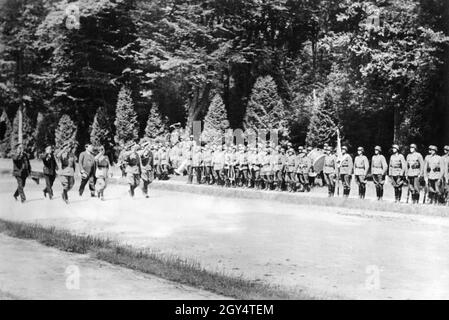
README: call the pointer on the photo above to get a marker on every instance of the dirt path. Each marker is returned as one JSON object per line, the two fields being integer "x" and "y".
{"x": 330, "y": 252}
{"x": 29, "y": 270}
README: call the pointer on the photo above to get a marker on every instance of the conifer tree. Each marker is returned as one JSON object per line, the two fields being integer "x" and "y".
{"x": 216, "y": 120}
{"x": 156, "y": 124}
{"x": 65, "y": 131}
{"x": 322, "y": 127}
{"x": 126, "y": 124}
{"x": 101, "y": 130}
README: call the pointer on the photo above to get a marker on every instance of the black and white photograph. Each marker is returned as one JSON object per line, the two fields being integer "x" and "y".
{"x": 241, "y": 151}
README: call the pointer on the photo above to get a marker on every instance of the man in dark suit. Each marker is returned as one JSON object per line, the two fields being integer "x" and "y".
{"x": 21, "y": 170}
{"x": 86, "y": 163}
{"x": 50, "y": 168}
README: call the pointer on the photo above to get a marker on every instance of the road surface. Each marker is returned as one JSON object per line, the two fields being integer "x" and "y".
{"x": 328, "y": 252}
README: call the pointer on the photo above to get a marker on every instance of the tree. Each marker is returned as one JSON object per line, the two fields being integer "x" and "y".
{"x": 66, "y": 131}
{"x": 101, "y": 131}
{"x": 6, "y": 132}
{"x": 27, "y": 133}
{"x": 216, "y": 120}
{"x": 126, "y": 125}
{"x": 322, "y": 127}
{"x": 156, "y": 124}
{"x": 265, "y": 108}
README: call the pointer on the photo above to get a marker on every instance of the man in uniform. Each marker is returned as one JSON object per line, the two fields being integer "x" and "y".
{"x": 290, "y": 168}
{"x": 197, "y": 161}
{"x": 396, "y": 171}
{"x": 330, "y": 170}
{"x": 379, "y": 169}
{"x": 86, "y": 163}
{"x": 164, "y": 162}
{"x": 207, "y": 164}
{"x": 49, "y": 170}
{"x": 265, "y": 170}
{"x": 218, "y": 165}
{"x": 346, "y": 168}
{"x": 67, "y": 161}
{"x": 244, "y": 168}
{"x": 433, "y": 175}
{"x": 312, "y": 173}
{"x": 303, "y": 170}
{"x": 446, "y": 173}
{"x": 361, "y": 168}
{"x": 415, "y": 170}
{"x": 21, "y": 170}
{"x": 147, "y": 168}
{"x": 133, "y": 169}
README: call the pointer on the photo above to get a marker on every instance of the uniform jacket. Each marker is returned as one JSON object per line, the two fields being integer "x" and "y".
{"x": 304, "y": 164}
{"x": 218, "y": 160}
{"x": 291, "y": 163}
{"x": 330, "y": 164}
{"x": 277, "y": 162}
{"x": 197, "y": 159}
{"x": 243, "y": 160}
{"x": 207, "y": 158}
{"x": 361, "y": 165}
{"x": 397, "y": 165}
{"x": 379, "y": 165}
{"x": 102, "y": 164}
{"x": 434, "y": 167}
{"x": 67, "y": 161}
{"x": 132, "y": 161}
{"x": 147, "y": 161}
{"x": 415, "y": 165}
{"x": 86, "y": 162}
{"x": 50, "y": 165}
{"x": 21, "y": 165}
{"x": 346, "y": 164}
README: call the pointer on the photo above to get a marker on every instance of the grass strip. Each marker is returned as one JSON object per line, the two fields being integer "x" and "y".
{"x": 163, "y": 266}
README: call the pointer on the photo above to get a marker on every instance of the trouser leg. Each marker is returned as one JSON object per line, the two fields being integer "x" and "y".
{"x": 20, "y": 188}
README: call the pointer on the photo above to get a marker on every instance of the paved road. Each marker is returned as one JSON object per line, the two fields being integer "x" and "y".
{"x": 329, "y": 252}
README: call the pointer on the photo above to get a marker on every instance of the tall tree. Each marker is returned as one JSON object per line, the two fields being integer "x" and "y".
{"x": 156, "y": 123}
{"x": 126, "y": 126}
{"x": 101, "y": 133}
{"x": 66, "y": 131}
{"x": 216, "y": 120}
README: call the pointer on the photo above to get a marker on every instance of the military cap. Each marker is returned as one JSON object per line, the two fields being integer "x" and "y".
{"x": 432, "y": 147}
{"x": 378, "y": 148}
{"x": 395, "y": 146}
{"x": 413, "y": 146}
{"x": 300, "y": 148}
{"x": 361, "y": 149}
{"x": 344, "y": 148}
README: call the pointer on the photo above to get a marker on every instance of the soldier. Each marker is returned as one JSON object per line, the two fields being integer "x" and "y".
{"x": 433, "y": 175}
{"x": 234, "y": 170}
{"x": 164, "y": 162}
{"x": 312, "y": 173}
{"x": 252, "y": 155}
{"x": 147, "y": 168}
{"x": 446, "y": 173}
{"x": 361, "y": 168}
{"x": 244, "y": 168}
{"x": 278, "y": 162}
{"x": 133, "y": 170}
{"x": 330, "y": 170}
{"x": 102, "y": 165}
{"x": 197, "y": 161}
{"x": 379, "y": 169}
{"x": 50, "y": 168}
{"x": 21, "y": 170}
{"x": 157, "y": 162}
{"x": 346, "y": 169}
{"x": 415, "y": 170}
{"x": 86, "y": 163}
{"x": 257, "y": 167}
{"x": 290, "y": 170}
{"x": 67, "y": 162}
{"x": 188, "y": 157}
{"x": 304, "y": 168}
{"x": 396, "y": 172}
{"x": 218, "y": 165}
{"x": 207, "y": 164}
{"x": 265, "y": 170}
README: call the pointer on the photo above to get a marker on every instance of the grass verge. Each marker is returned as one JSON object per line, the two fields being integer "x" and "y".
{"x": 167, "y": 267}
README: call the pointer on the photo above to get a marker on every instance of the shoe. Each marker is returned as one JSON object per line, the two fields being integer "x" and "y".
{"x": 92, "y": 195}
{"x": 80, "y": 193}
{"x": 45, "y": 193}
{"x": 147, "y": 196}
{"x": 22, "y": 200}
{"x": 15, "y": 197}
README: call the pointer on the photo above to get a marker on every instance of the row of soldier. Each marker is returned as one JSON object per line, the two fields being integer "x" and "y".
{"x": 269, "y": 168}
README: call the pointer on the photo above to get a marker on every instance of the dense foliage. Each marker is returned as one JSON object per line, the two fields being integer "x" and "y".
{"x": 380, "y": 68}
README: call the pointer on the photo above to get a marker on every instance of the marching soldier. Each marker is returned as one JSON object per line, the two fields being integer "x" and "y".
{"x": 379, "y": 169}
{"x": 67, "y": 162}
{"x": 346, "y": 168}
{"x": 446, "y": 173}
{"x": 396, "y": 172}
{"x": 21, "y": 170}
{"x": 433, "y": 174}
{"x": 415, "y": 170}
{"x": 101, "y": 174}
{"x": 291, "y": 170}
{"x": 133, "y": 170}
{"x": 330, "y": 170}
{"x": 361, "y": 168}
{"x": 147, "y": 168}
{"x": 49, "y": 170}
{"x": 87, "y": 169}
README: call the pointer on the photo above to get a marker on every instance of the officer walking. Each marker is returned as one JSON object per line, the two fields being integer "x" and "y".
{"x": 346, "y": 168}
{"x": 396, "y": 172}
{"x": 49, "y": 170}
{"x": 446, "y": 173}
{"x": 87, "y": 169}
{"x": 330, "y": 170}
{"x": 21, "y": 170}
{"x": 147, "y": 168}
{"x": 415, "y": 170}
{"x": 433, "y": 175}
{"x": 361, "y": 168}
{"x": 101, "y": 173}
{"x": 67, "y": 162}
{"x": 379, "y": 168}
{"x": 133, "y": 169}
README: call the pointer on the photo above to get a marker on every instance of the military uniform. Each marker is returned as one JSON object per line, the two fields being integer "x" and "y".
{"x": 361, "y": 168}
{"x": 396, "y": 172}
{"x": 86, "y": 163}
{"x": 197, "y": 161}
{"x": 277, "y": 163}
{"x": 164, "y": 163}
{"x": 433, "y": 172}
{"x": 207, "y": 166}
{"x": 49, "y": 170}
{"x": 330, "y": 172}
{"x": 415, "y": 170}
{"x": 257, "y": 164}
{"x": 133, "y": 171}
{"x": 218, "y": 166}
{"x": 291, "y": 170}
{"x": 265, "y": 171}
{"x": 446, "y": 174}
{"x": 244, "y": 169}
{"x": 21, "y": 170}
{"x": 67, "y": 173}
{"x": 303, "y": 170}
{"x": 346, "y": 168}
{"x": 379, "y": 168}
{"x": 101, "y": 174}
{"x": 157, "y": 164}
{"x": 147, "y": 168}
